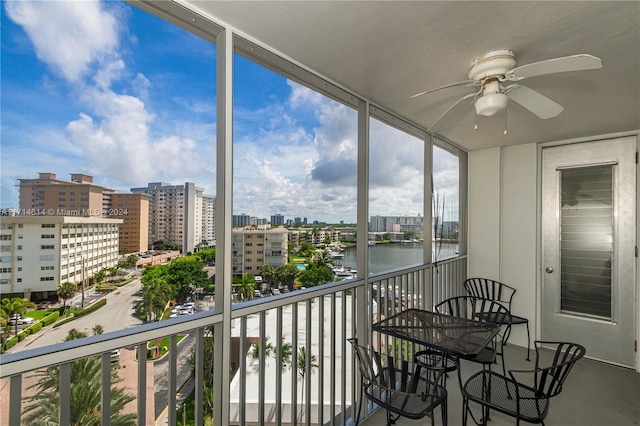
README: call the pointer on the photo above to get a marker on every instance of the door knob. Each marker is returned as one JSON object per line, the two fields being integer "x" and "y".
{"x": 549, "y": 270}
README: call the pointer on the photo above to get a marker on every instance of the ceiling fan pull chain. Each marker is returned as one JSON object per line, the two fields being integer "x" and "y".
{"x": 505, "y": 121}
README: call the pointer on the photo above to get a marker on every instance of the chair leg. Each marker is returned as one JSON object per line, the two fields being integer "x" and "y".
{"x": 359, "y": 406}
{"x": 445, "y": 411}
{"x": 528, "y": 342}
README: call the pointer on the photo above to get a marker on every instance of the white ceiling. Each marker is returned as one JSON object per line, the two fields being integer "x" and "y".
{"x": 385, "y": 51}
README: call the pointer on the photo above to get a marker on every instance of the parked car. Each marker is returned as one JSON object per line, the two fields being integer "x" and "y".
{"x": 115, "y": 355}
{"x": 21, "y": 320}
{"x": 43, "y": 305}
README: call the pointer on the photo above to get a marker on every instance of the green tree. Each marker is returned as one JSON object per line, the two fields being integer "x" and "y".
{"x": 17, "y": 306}
{"x": 75, "y": 334}
{"x": 156, "y": 293}
{"x": 100, "y": 276}
{"x": 286, "y": 275}
{"x": 132, "y": 259}
{"x": 186, "y": 273}
{"x": 315, "y": 275}
{"x": 268, "y": 275}
{"x": 206, "y": 255}
{"x": 322, "y": 258}
{"x": 85, "y": 396}
{"x": 66, "y": 291}
{"x": 246, "y": 286}
{"x": 207, "y": 380}
{"x": 302, "y": 367}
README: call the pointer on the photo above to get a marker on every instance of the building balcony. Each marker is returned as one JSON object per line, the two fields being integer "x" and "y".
{"x": 264, "y": 379}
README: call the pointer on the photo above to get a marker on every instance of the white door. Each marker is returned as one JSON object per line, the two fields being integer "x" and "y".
{"x": 588, "y": 231}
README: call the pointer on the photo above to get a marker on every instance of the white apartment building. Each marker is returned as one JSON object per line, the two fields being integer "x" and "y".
{"x": 413, "y": 224}
{"x": 255, "y": 247}
{"x": 40, "y": 252}
{"x": 209, "y": 220}
{"x": 177, "y": 214}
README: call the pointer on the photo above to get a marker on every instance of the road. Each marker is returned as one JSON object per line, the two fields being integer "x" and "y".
{"x": 116, "y": 315}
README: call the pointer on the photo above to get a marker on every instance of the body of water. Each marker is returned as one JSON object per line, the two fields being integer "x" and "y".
{"x": 383, "y": 257}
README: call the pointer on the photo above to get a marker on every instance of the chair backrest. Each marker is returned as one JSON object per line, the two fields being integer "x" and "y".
{"x": 484, "y": 288}
{"x": 549, "y": 380}
{"x": 384, "y": 371}
{"x": 475, "y": 308}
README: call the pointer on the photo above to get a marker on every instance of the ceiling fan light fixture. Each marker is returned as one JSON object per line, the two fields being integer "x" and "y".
{"x": 490, "y": 104}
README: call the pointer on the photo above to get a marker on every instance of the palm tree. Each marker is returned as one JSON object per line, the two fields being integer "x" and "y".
{"x": 246, "y": 287}
{"x": 302, "y": 368}
{"x": 155, "y": 295}
{"x": 85, "y": 397}
{"x": 322, "y": 258}
{"x": 16, "y": 307}
{"x": 268, "y": 274}
{"x": 66, "y": 290}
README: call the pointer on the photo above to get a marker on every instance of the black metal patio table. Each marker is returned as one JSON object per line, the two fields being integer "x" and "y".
{"x": 452, "y": 335}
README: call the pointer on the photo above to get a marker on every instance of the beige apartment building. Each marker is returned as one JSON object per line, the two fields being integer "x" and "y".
{"x": 49, "y": 196}
{"x": 256, "y": 247}
{"x": 40, "y": 252}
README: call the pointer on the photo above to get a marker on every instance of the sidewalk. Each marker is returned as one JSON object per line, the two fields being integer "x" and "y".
{"x": 182, "y": 394}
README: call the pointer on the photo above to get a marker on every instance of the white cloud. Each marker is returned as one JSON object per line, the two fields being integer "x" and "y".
{"x": 67, "y": 35}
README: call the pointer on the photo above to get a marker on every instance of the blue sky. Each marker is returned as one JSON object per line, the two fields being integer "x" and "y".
{"x": 105, "y": 89}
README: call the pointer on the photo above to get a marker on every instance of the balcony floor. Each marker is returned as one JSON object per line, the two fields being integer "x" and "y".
{"x": 594, "y": 394}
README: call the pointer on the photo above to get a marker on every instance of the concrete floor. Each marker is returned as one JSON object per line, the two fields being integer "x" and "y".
{"x": 595, "y": 394}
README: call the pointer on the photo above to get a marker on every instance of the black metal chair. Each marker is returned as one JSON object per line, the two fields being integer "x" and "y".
{"x": 492, "y": 311}
{"x": 484, "y": 288}
{"x": 514, "y": 395}
{"x": 402, "y": 388}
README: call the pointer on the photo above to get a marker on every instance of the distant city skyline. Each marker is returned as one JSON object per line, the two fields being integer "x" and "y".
{"x": 106, "y": 89}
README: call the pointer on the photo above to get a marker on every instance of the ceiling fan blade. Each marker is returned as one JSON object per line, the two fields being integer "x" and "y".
{"x": 534, "y": 101}
{"x": 550, "y": 66}
{"x": 448, "y": 114}
{"x": 466, "y": 83}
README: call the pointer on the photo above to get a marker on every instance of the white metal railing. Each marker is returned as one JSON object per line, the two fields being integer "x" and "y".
{"x": 271, "y": 383}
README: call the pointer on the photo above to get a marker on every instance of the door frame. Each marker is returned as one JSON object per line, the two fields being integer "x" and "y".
{"x": 539, "y": 238}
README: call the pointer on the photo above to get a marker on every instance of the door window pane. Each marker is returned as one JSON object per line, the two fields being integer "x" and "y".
{"x": 586, "y": 240}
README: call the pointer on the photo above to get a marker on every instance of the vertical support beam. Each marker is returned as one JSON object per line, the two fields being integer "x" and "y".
{"x": 199, "y": 379}
{"x": 263, "y": 366}
{"x": 105, "y": 394}
{"x": 242, "y": 403}
{"x": 427, "y": 255}
{"x": 224, "y": 208}
{"x": 65, "y": 394}
{"x": 428, "y": 198}
{"x": 173, "y": 379}
{"x": 307, "y": 366}
{"x": 294, "y": 363}
{"x": 142, "y": 384}
{"x": 321, "y": 343}
{"x": 279, "y": 357}
{"x": 15, "y": 400}
{"x": 360, "y": 317}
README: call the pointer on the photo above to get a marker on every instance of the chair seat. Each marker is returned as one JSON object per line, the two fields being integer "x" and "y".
{"x": 483, "y": 316}
{"x": 435, "y": 359}
{"x": 499, "y": 393}
{"x": 415, "y": 404}
{"x": 486, "y": 356}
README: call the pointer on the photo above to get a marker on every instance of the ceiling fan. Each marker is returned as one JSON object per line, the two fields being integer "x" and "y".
{"x": 491, "y": 70}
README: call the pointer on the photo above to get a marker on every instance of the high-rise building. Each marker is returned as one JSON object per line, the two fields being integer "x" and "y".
{"x": 49, "y": 196}
{"x": 40, "y": 252}
{"x": 177, "y": 214}
{"x": 209, "y": 220}
{"x": 134, "y": 211}
{"x": 277, "y": 220}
